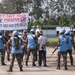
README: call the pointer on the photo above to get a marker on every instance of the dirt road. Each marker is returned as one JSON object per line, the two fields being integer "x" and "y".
{"x": 30, "y": 70}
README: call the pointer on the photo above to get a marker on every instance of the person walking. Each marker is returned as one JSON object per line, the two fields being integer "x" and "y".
{"x": 16, "y": 50}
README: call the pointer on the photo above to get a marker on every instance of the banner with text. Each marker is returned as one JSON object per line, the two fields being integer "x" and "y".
{"x": 13, "y": 21}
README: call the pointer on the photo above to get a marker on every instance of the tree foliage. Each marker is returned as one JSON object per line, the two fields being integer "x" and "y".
{"x": 64, "y": 21}
{"x": 50, "y": 11}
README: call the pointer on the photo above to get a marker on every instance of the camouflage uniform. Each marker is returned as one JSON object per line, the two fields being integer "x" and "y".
{"x": 31, "y": 46}
{"x": 16, "y": 50}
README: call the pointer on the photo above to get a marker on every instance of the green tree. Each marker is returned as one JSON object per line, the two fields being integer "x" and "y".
{"x": 64, "y": 21}
{"x": 37, "y": 23}
{"x": 15, "y": 6}
{"x": 72, "y": 23}
{"x": 30, "y": 24}
{"x": 7, "y": 7}
{"x": 37, "y": 13}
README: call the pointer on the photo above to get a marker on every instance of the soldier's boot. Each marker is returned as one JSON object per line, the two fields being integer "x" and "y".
{"x": 65, "y": 67}
{"x": 8, "y": 59}
{"x": 10, "y": 70}
{"x": 3, "y": 64}
{"x": 2, "y": 61}
{"x": 71, "y": 62}
{"x": 58, "y": 66}
{"x": 26, "y": 63}
{"x": 33, "y": 64}
{"x": 45, "y": 65}
{"x": 21, "y": 69}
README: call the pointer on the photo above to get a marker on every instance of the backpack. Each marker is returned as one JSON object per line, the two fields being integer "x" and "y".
{"x": 15, "y": 42}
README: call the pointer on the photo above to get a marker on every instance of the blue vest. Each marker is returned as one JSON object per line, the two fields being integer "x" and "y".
{"x": 69, "y": 44}
{"x": 62, "y": 46}
{"x": 1, "y": 43}
{"x": 31, "y": 41}
{"x": 12, "y": 46}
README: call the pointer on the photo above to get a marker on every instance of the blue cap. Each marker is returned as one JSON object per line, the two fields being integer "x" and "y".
{"x": 67, "y": 32}
{"x": 32, "y": 30}
{"x": 15, "y": 33}
{"x": 62, "y": 31}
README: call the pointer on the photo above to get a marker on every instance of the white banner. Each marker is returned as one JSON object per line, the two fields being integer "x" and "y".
{"x": 13, "y": 21}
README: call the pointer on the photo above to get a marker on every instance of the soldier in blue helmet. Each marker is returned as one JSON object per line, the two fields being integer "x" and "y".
{"x": 69, "y": 45}
{"x": 61, "y": 47}
{"x": 62, "y": 31}
{"x": 2, "y": 41}
{"x": 16, "y": 50}
{"x": 31, "y": 46}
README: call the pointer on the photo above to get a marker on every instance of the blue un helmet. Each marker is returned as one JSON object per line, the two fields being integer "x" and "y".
{"x": 32, "y": 30}
{"x": 67, "y": 32}
{"x": 15, "y": 33}
{"x": 62, "y": 31}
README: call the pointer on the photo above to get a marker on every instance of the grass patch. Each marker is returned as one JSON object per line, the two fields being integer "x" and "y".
{"x": 52, "y": 42}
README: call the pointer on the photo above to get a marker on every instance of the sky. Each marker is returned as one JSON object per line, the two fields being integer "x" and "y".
{"x": 0, "y": 0}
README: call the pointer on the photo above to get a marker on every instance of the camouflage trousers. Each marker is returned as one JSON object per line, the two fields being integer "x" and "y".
{"x": 70, "y": 55}
{"x": 33, "y": 51}
{"x": 2, "y": 56}
{"x": 64, "y": 55}
{"x": 19, "y": 60}
{"x": 24, "y": 52}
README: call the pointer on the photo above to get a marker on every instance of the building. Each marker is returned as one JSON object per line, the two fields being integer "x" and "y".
{"x": 49, "y": 30}
{"x": 52, "y": 31}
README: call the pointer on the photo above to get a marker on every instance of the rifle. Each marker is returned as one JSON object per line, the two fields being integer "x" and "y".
{"x": 53, "y": 52}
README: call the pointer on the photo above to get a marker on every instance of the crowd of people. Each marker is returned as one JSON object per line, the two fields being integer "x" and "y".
{"x": 64, "y": 46}
{"x": 21, "y": 46}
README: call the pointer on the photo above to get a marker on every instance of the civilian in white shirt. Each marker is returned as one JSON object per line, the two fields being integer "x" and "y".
{"x": 42, "y": 41}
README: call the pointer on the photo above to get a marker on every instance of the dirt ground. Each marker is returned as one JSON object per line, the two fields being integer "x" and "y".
{"x": 30, "y": 70}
